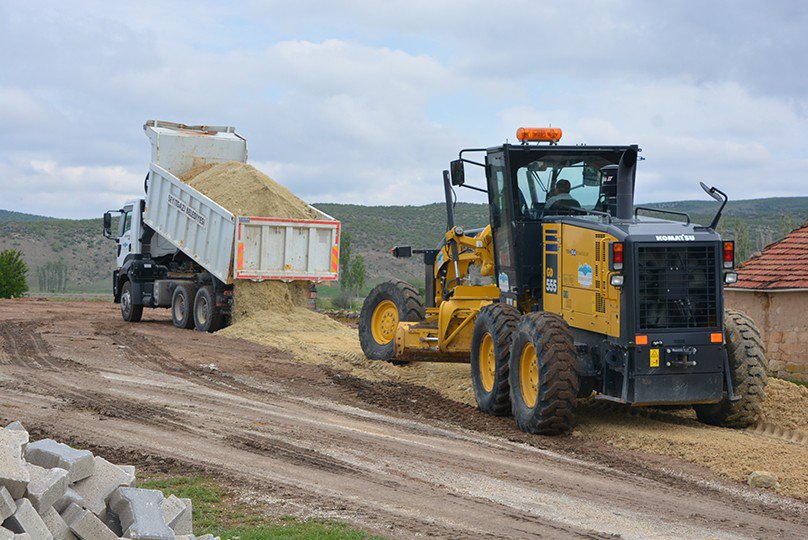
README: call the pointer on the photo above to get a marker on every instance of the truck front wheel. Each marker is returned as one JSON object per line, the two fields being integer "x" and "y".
{"x": 207, "y": 317}
{"x": 182, "y": 306}
{"x": 129, "y": 311}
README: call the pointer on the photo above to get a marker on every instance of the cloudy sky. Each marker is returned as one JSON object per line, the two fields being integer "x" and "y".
{"x": 367, "y": 102}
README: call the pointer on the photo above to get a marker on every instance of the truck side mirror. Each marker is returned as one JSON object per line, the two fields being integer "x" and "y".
{"x": 107, "y": 224}
{"x": 458, "y": 172}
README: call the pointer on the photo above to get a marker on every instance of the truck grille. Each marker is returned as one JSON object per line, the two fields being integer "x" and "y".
{"x": 677, "y": 287}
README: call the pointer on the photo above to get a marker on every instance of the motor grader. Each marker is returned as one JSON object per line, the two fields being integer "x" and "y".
{"x": 571, "y": 290}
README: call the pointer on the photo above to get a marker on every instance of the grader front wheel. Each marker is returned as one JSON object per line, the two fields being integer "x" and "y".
{"x": 490, "y": 347}
{"x": 387, "y": 304}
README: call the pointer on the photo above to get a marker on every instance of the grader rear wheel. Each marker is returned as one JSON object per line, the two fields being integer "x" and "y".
{"x": 543, "y": 375}
{"x": 387, "y": 304}
{"x": 490, "y": 348}
{"x": 747, "y": 366}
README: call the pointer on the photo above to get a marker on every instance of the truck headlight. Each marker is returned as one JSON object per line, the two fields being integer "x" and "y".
{"x": 616, "y": 280}
{"x": 730, "y": 277}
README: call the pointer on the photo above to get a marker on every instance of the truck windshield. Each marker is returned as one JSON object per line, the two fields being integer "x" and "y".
{"x": 553, "y": 184}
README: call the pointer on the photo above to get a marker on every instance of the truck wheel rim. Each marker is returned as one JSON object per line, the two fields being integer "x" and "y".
{"x": 385, "y": 322}
{"x": 201, "y": 310}
{"x": 179, "y": 307}
{"x": 529, "y": 375}
{"x": 125, "y": 302}
{"x": 488, "y": 362}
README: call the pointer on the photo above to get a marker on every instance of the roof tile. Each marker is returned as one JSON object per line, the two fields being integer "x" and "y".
{"x": 781, "y": 265}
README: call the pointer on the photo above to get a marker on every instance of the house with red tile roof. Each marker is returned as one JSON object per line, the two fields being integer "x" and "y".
{"x": 772, "y": 288}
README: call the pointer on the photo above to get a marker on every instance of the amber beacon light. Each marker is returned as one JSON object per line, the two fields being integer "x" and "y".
{"x": 538, "y": 134}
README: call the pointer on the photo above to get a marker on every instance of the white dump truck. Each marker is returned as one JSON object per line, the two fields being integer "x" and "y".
{"x": 178, "y": 249}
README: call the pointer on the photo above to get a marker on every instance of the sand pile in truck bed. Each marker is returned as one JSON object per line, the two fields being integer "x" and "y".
{"x": 246, "y": 191}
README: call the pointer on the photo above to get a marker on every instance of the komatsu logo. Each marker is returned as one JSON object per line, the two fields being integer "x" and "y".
{"x": 675, "y": 237}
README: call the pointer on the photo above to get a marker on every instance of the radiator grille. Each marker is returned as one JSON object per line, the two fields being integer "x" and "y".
{"x": 677, "y": 287}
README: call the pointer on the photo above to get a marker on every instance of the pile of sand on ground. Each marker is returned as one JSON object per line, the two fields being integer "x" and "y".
{"x": 246, "y": 191}
{"x": 273, "y": 313}
{"x": 786, "y": 405}
{"x": 731, "y": 452}
{"x": 314, "y": 338}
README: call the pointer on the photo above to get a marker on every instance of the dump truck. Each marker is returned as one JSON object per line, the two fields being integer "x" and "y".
{"x": 570, "y": 289}
{"x": 178, "y": 249}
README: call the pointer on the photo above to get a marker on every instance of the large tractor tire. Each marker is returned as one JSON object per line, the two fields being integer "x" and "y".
{"x": 207, "y": 317}
{"x": 747, "y": 366}
{"x": 182, "y": 305}
{"x": 387, "y": 304}
{"x": 490, "y": 351}
{"x": 129, "y": 311}
{"x": 543, "y": 375}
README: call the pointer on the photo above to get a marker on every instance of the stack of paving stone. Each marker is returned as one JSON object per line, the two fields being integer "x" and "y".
{"x": 50, "y": 491}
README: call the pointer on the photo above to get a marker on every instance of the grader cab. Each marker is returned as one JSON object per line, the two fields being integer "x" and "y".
{"x": 569, "y": 290}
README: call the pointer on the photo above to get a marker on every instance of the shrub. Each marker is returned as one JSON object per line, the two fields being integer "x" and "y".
{"x": 13, "y": 273}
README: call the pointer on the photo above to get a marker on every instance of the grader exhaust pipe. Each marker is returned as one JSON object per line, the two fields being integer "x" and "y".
{"x": 626, "y": 172}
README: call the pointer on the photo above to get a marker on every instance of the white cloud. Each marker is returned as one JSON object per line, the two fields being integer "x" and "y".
{"x": 50, "y": 188}
{"x": 367, "y": 103}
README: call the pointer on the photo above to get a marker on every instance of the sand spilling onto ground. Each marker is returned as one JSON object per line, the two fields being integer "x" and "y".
{"x": 245, "y": 191}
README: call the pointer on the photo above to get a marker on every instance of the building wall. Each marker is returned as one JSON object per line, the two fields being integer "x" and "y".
{"x": 783, "y": 321}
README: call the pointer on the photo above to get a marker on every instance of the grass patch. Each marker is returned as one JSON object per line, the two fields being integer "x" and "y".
{"x": 216, "y": 511}
{"x": 801, "y": 383}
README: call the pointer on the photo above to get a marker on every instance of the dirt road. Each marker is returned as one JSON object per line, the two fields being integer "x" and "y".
{"x": 396, "y": 459}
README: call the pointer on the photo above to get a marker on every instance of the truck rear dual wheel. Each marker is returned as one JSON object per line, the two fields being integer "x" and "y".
{"x": 543, "y": 374}
{"x": 129, "y": 311}
{"x": 387, "y": 304}
{"x": 182, "y": 304}
{"x": 747, "y": 366}
{"x": 490, "y": 353}
{"x": 207, "y": 317}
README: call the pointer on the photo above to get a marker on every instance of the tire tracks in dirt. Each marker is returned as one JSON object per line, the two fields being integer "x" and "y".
{"x": 25, "y": 347}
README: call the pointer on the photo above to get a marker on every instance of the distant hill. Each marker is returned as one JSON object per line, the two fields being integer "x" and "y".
{"x": 8, "y": 215}
{"x": 374, "y": 230}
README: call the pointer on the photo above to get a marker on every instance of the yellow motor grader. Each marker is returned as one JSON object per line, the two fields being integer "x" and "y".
{"x": 569, "y": 290}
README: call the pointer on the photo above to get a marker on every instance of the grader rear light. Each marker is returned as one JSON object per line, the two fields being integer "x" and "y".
{"x": 729, "y": 254}
{"x": 539, "y": 134}
{"x": 717, "y": 337}
{"x": 616, "y": 250}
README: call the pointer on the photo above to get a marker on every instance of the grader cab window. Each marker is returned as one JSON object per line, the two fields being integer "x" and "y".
{"x": 554, "y": 184}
